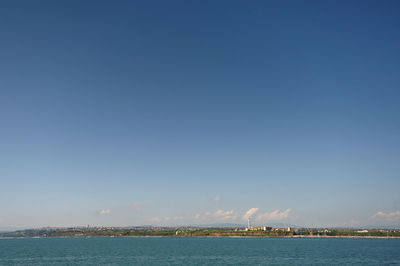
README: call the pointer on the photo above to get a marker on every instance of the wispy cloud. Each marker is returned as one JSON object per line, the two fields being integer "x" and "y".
{"x": 137, "y": 206}
{"x": 387, "y": 217}
{"x": 225, "y": 215}
{"x": 250, "y": 213}
{"x": 219, "y": 215}
{"x": 217, "y": 198}
{"x": 204, "y": 216}
{"x": 158, "y": 220}
{"x": 174, "y": 218}
{"x": 155, "y": 220}
{"x": 273, "y": 216}
{"x": 105, "y": 212}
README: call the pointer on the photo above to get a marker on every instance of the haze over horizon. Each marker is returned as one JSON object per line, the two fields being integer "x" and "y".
{"x": 199, "y": 112}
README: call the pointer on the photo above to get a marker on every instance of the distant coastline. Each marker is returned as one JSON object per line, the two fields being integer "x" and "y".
{"x": 159, "y": 236}
{"x": 176, "y": 232}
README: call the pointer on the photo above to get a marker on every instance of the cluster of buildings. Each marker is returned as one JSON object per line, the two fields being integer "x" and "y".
{"x": 265, "y": 228}
{"x": 268, "y": 228}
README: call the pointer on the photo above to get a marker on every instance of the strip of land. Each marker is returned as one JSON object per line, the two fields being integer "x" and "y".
{"x": 149, "y": 231}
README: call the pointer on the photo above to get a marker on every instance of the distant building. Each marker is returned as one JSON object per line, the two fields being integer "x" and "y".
{"x": 261, "y": 228}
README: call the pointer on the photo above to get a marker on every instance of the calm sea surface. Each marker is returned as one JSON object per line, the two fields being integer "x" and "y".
{"x": 198, "y": 251}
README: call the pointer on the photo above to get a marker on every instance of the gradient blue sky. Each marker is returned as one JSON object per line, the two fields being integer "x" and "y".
{"x": 191, "y": 112}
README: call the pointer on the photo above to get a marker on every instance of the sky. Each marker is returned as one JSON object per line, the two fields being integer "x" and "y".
{"x": 121, "y": 113}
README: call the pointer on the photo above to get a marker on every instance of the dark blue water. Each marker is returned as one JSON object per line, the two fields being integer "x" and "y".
{"x": 198, "y": 251}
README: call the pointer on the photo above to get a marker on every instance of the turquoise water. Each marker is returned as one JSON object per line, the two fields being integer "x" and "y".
{"x": 198, "y": 251}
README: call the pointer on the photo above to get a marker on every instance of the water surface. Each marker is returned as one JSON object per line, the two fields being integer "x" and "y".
{"x": 198, "y": 251}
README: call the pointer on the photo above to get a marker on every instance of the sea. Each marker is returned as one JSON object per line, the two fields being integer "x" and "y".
{"x": 198, "y": 251}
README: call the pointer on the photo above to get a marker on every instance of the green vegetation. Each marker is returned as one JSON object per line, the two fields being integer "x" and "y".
{"x": 195, "y": 232}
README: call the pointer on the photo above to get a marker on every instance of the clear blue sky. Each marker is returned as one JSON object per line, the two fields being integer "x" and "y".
{"x": 191, "y": 112}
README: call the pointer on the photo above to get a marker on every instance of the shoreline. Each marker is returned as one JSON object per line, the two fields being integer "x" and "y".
{"x": 297, "y": 236}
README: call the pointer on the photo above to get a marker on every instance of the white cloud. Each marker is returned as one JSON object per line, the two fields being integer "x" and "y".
{"x": 216, "y": 198}
{"x": 249, "y": 213}
{"x": 137, "y": 206}
{"x": 387, "y": 217}
{"x": 225, "y": 215}
{"x": 273, "y": 216}
{"x": 219, "y": 215}
{"x": 204, "y": 216}
{"x": 176, "y": 218}
{"x": 167, "y": 219}
{"x": 155, "y": 220}
{"x": 105, "y": 212}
